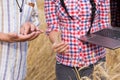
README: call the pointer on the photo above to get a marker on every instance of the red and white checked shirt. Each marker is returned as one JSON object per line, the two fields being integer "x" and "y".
{"x": 80, "y": 53}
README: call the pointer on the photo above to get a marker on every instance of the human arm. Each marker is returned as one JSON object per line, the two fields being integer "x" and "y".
{"x": 58, "y": 45}
{"x": 13, "y": 37}
{"x": 28, "y": 32}
{"x": 53, "y": 28}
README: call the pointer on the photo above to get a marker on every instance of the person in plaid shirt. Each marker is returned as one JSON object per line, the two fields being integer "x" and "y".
{"x": 67, "y": 21}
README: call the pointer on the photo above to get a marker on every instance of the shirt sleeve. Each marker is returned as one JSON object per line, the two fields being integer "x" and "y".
{"x": 51, "y": 16}
{"x": 106, "y": 13}
{"x": 108, "y": 9}
{"x": 34, "y": 16}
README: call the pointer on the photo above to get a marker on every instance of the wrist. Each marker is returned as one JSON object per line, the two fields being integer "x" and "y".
{"x": 55, "y": 37}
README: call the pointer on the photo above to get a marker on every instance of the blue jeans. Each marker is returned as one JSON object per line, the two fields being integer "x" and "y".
{"x": 69, "y": 73}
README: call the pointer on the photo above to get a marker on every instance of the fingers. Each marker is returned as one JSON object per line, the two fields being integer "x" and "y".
{"x": 37, "y": 29}
{"x": 25, "y": 29}
{"x": 33, "y": 28}
{"x": 40, "y": 31}
{"x": 31, "y": 36}
{"x": 60, "y": 48}
{"x": 35, "y": 36}
{"x": 28, "y": 28}
{"x": 57, "y": 45}
{"x": 29, "y": 32}
{"x": 27, "y": 37}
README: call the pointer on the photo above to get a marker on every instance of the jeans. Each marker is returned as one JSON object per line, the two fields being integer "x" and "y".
{"x": 70, "y": 73}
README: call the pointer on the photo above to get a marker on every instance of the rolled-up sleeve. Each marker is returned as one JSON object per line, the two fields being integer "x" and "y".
{"x": 34, "y": 16}
{"x": 51, "y": 16}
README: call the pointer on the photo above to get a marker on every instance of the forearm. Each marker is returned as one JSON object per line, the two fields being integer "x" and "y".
{"x": 4, "y": 37}
{"x": 7, "y": 37}
{"x": 55, "y": 36}
{"x": 1, "y": 36}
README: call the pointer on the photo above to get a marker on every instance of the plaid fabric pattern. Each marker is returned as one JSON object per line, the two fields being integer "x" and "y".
{"x": 80, "y": 53}
{"x": 115, "y": 12}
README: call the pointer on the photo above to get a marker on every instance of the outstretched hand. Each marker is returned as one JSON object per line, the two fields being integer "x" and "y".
{"x": 27, "y": 32}
{"x": 13, "y": 37}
